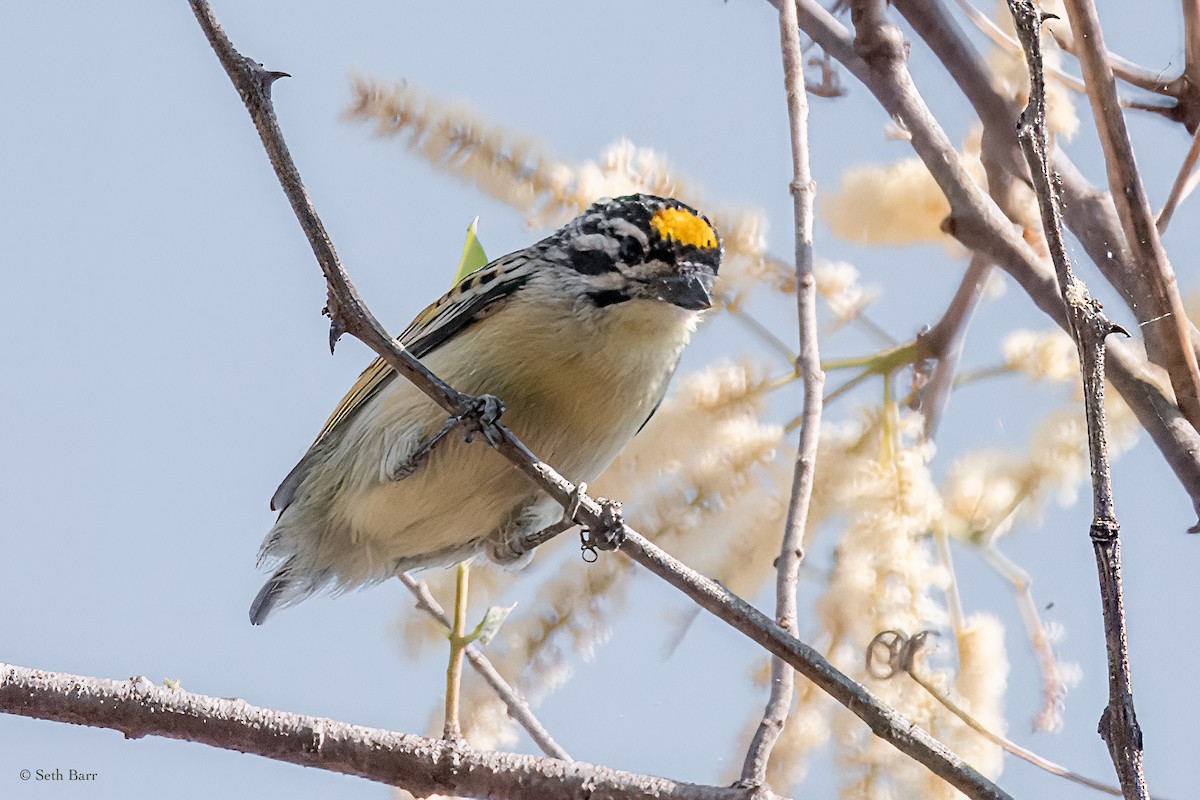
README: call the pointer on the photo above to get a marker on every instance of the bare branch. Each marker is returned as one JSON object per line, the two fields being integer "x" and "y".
{"x": 1187, "y": 86}
{"x": 1001, "y": 39}
{"x": 944, "y": 342}
{"x": 791, "y": 552}
{"x": 518, "y": 709}
{"x": 901, "y": 651}
{"x": 1126, "y": 70}
{"x": 1054, "y": 684}
{"x": 1133, "y": 208}
{"x": 884, "y": 721}
{"x": 138, "y": 708}
{"x": 1090, "y": 327}
{"x": 974, "y": 219}
{"x": 1191, "y": 37}
{"x": 1184, "y": 184}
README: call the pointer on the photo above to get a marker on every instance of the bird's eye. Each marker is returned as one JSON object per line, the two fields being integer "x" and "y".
{"x": 631, "y": 250}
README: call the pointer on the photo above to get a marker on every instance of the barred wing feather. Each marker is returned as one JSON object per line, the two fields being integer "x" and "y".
{"x": 478, "y": 295}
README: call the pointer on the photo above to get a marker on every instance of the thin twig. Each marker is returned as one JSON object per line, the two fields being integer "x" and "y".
{"x": 1089, "y": 211}
{"x": 1184, "y": 184}
{"x": 1054, "y": 685}
{"x": 351, "y": 316}
{"x": 791, "y": 551}
{"x": 423, "y": 766}
{"x": 1133, "y": 208}
{"x": 901, "y": 652}
{"x": 1090, "y": 328}
{"x": 1133, "y": 74}
{"x": 1002, "y": 40}
{"x": 944, "y": 342}
{"x": 517, "y": 707}
{"x": 1191, "y": 37}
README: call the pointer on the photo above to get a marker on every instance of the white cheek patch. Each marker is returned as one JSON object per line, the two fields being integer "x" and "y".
{"x": 607, "y": 280}
{"x": 647, "y": 270}
{"x": 596, "y": 241}
{"x": 623, "y": 227}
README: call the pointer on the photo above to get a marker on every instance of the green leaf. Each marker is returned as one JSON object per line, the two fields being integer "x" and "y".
{"x": 486, "y": 630}
{"x": 473, "y": 256}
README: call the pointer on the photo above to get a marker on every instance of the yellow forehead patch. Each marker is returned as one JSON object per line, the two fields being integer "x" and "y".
{"x": 684, "y": 227}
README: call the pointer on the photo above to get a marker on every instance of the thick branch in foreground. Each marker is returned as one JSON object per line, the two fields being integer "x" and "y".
{"x": 791, "y": 550}
{"x": 423, "y": 766}
{"x": 1091, "y": 327}
{"x": 350, "y": 315}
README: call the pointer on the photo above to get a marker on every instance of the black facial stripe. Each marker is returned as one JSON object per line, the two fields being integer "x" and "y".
{"x": 631, "y": 251}
{"x": 592, "y": 262}
{"x": 608, "y": 297}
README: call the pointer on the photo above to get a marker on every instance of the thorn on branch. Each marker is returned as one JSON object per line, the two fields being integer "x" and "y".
{"x": 337, "y": 319}
{"x": 336, "y": 329}
{"x": 264, "y": 79}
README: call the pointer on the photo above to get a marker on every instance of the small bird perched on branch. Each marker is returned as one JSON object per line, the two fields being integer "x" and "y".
{"x": 577, "y": 335}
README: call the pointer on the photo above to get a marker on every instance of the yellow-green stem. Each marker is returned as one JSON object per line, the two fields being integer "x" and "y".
{"x": 887, "y": 360}
{"x": 458, "y": 644}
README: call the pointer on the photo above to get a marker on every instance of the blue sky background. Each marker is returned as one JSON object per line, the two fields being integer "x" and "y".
{"x": 166, "y": 365}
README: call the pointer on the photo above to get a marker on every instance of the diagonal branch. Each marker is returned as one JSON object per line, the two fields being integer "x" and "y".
{"x": 1089, "y": 211}
{"x": 423, "y": 766}
{"x": 978, "y": 224}
{"x": 791, "y": 551}
{"x": 517, "y": 708}
{"x": 893, "y": 652}
{"x": 1090, "y": 327}
{"x": 1185, "y": 182}
{"x": 884, "y": 721}
{"x": 1187, "y": 86}
{"x": 1133, "y": 208}
{"x": 944, "y": 343}
{"x": 253, "y": 84}
{"x": 1123, "y": 68}
{"x": 347, "y": 311}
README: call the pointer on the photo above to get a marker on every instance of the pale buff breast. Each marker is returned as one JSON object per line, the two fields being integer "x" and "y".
{"x": 576, "y": 404}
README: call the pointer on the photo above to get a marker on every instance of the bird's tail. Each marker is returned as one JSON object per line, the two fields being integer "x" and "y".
{"x": 283, "y": 589}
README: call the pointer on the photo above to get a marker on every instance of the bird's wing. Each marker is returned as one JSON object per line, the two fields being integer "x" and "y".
{"x": 480, "y": 294}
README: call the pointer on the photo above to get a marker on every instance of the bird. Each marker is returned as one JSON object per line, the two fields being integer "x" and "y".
{"x": 577, "y": 335}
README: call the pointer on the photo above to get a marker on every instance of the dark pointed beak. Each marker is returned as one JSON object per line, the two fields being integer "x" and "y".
{"x": 690, "y": 289}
